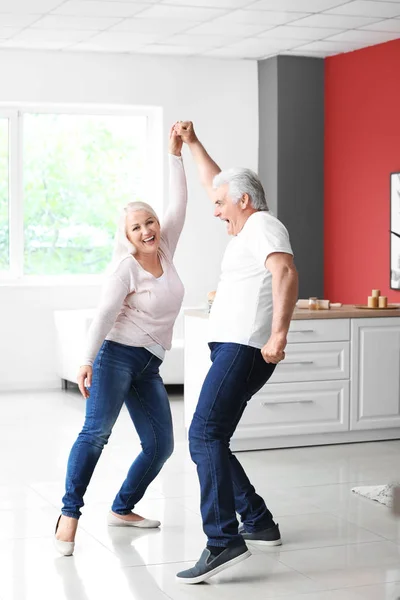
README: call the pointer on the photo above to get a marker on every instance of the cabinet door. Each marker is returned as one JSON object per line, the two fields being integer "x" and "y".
{"x": 375, "y": 373}
{"x": 319, "y": 330}
{"x": 314, "y": 362}
{"x": 295, "y": 409}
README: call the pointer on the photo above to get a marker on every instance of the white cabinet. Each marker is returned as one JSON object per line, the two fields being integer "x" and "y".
{"x": 324, "y": 330}
{"x": 340, "y": 382}
{"x": 314, "y": 362}
{"x": 295, "y": 409}
{"x": 375, "y": 373}
{"x": 308, "y": 392}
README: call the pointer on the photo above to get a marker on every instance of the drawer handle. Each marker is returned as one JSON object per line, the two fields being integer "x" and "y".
{"x": 299, "y": 362}
{"x": 303, "y": 331}
{"x": 287, "y": 402}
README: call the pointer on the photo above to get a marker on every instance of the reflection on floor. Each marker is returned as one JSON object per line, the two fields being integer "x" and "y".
{"x": 337, "y": 546}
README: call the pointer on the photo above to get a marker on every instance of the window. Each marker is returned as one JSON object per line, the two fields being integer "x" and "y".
{"x": 74, "y": 173}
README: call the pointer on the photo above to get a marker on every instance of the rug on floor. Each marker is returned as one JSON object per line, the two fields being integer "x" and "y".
{"x": 379, "y": 493}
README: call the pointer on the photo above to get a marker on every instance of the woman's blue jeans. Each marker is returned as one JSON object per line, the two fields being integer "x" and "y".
{"x": 236, "y": 374}
{"x": 121, "y": 374}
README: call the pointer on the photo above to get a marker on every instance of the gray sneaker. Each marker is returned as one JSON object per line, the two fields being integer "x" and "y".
{"x": 209, "y": 565}
{"x": 265, "y": 537}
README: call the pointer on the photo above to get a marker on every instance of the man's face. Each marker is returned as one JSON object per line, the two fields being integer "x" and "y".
{"x": 226, "y": 210}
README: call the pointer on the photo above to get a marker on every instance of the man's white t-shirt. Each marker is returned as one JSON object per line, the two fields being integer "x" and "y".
{"x": 242, "y": 309}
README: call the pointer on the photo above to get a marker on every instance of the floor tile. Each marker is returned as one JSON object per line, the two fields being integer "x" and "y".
{"x": 347, "y": 566}
{"x": 337, "y": 546}
{"x": 259, "y": 577}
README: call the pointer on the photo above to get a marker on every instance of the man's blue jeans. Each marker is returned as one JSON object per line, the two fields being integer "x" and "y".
{"x": 237, "y": 373}
{"x": 121, "y": 374}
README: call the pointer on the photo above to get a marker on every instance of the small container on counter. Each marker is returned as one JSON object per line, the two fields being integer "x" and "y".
{"x": 313, "y": 303}
{"x": 210, "y": 299}
{"x": 382, "y": 301}
{"x": 373, "y": 301}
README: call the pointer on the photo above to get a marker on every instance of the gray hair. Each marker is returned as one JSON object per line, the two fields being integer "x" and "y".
{"x": 243, "y": 181}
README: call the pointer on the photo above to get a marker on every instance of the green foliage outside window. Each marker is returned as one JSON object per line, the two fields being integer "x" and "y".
{"x": 78, "y": 171}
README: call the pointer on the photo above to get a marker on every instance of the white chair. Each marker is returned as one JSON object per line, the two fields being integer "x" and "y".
{"x": 71, "y": 328}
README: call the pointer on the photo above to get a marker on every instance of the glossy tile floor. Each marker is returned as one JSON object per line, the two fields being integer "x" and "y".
{"x": 337, "y": 546}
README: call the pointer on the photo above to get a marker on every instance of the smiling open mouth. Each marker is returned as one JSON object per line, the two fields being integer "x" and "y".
{"x": 149, "y": 240}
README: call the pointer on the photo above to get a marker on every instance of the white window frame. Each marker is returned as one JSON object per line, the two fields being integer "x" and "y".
{"x": 154, "y": 184}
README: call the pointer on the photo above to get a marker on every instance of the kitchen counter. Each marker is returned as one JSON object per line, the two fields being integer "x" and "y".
{"x": 347, "y": 311}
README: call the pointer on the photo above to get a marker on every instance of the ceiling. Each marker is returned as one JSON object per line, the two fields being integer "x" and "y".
{"x": 231, "y": 29}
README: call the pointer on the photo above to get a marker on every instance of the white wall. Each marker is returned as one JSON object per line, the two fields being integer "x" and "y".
{"x": 221, "y": 97}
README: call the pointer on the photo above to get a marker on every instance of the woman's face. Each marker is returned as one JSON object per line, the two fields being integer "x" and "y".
{"x": 143, "y": 231}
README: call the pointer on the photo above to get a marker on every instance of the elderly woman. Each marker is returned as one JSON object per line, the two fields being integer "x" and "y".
{"x": 126, "y": 344}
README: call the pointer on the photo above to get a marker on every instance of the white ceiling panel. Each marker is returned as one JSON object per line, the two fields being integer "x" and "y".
{"x": 97, "y": 8}
{"x": 204, "y": 41}
{"x": 28, "y": 6}
{"x": 311, "y": 6}
{"x": 219, "y": 27}
{"x": 335, "y": 21}
{"x": 123, "y": 40}
{"x": 256, "y": 47}
{"x": 8, "y": 32}
{"x": 365, "y": 37}
{"x": 228, "y": 52}
{"x": 153, "y": 26}
{"x": 23, "y": 20}
{"x": 148, "y": 2}
{"x": 262, "y": 17}
{"x": 309, "y": 53}
{"x": 299, "y": 33}
{"x": 169, "y": 50}
{"x": 71, "y": 23}
{"x": 367, "y": 8}
{"x": 386, "y": 25}
{"x": 245, "y": 29}
{"x": 38, "y": 45}
{"x": 329, "y": 46}
{"x": 187, "y": 13}
{"x": 48, "y": 35}
{"x": 227, "y": 4}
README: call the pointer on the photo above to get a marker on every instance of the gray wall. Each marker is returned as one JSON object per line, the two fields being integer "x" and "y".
{"x": 291, "y": 162}
{"x": 268, "y": 138}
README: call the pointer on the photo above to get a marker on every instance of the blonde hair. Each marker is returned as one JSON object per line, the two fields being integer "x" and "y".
{"x": 122, "y": 245}
{"x": 134, "y": 206}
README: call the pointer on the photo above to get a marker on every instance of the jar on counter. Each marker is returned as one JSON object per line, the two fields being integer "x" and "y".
{"x": 210, "y": 299}
{"x": 313, "y": 303}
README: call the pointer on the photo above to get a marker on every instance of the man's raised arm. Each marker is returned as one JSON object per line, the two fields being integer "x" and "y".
{"x": 206, "y": 166}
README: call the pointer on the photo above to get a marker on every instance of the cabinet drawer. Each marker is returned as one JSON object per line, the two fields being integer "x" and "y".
{"x": 314, "y": 362}
{"x": 313, "y": 330}
{"x": 294, "y": 409}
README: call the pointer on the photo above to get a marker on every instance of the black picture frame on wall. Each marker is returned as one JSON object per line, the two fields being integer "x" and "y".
{"x": 395, "y": 231}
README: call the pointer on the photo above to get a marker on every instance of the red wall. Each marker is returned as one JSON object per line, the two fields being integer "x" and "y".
{"x": 362, "y": 147}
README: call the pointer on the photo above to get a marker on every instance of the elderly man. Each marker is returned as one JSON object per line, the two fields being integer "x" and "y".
{"x": 248, "y": 327}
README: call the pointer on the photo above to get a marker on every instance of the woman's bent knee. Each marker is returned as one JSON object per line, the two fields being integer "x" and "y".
{"x": 160, "y": 450}
{"x": 98, "y": 440}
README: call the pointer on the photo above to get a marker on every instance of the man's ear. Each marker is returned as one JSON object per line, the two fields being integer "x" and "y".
{"x": 245, "y": 201}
